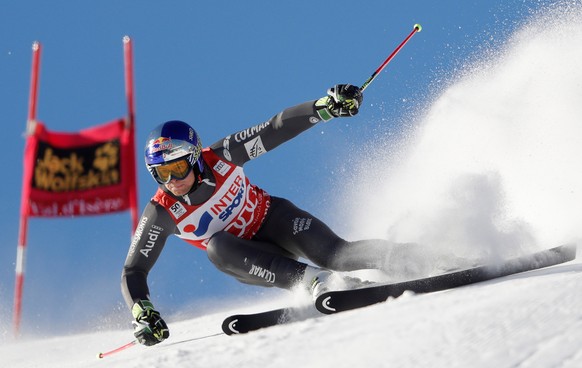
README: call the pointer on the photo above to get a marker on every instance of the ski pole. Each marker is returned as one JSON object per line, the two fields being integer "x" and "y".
{"x": 416, "y": 28}
{"x": 128, "y": 345}
{"x": 134, "y": 342}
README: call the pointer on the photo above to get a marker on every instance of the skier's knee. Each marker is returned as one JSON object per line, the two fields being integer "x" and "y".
{"x": 330, "y": 256}
{"x": 217, "y": 249}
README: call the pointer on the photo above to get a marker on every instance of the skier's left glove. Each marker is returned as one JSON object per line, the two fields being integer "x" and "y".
{"x": 149, "y": 327}
{"x": 341, "y": 100}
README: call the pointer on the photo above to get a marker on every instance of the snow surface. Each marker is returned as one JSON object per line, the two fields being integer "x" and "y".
{"x": 494, "y": 162}
{"x": 527, "y": 320}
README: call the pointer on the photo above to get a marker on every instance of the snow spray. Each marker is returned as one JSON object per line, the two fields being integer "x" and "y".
{"x": 494, "y": 164}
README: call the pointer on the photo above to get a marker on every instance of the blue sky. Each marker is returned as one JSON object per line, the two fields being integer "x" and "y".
{"x": 221, "y": 66}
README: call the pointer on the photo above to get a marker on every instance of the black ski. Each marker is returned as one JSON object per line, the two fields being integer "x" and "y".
{"x": 338, "y": 301}
{"x": 243, "y": 323}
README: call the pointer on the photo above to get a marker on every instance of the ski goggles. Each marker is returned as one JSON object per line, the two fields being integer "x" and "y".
{"x": 173, "y": 170}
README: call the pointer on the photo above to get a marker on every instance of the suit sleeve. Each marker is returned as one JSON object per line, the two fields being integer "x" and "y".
{"x": 154, "y": 227}
{"x": 252, "y": 142}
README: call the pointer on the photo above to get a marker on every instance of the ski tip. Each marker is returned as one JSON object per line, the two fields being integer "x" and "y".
{"x": 567, "y": 251}
{"x": 418, "y": 27}
{"x": 100, "y": 355}
{"x": 324, "y": 304}
{"x": 229, "y": 326}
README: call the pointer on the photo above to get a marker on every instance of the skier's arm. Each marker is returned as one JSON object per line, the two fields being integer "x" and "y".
{"x": 342, "y": 100}
{"x": 147, "y": 243}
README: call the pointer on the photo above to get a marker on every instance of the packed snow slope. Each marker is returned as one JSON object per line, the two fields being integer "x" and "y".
{"x": 489, "y": 169}
{"x": 528, "y": 320}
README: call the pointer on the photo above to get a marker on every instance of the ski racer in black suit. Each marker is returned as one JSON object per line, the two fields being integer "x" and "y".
{"x": 205, "y": 198}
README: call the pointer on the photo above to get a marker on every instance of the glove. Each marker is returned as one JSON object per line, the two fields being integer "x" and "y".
{"x": 149, "y": 327}
{"x": 342, "y": 100}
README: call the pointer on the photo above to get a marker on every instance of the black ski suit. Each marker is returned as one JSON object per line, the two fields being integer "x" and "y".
{"x": 266, "y": 256}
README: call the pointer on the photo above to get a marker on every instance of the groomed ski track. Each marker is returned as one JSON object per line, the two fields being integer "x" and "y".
{"x": 532, "y": 319}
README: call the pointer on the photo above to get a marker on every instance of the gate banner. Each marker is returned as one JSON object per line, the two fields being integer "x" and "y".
{"x": 89, "y": 172}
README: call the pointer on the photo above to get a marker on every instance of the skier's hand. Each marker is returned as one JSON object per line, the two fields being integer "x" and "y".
{"x": 342, "y": 100}
{"x": 149, "y": 327}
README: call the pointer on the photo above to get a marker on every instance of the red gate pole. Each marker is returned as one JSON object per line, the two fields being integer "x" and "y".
{"x": 128, "y": 62}
{"x": 24, "y": 211}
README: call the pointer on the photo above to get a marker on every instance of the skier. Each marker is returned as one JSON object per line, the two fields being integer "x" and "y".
{"x": 205, "y": 198}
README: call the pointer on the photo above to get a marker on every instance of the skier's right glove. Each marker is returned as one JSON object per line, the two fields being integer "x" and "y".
{"x": 149, "y": 327}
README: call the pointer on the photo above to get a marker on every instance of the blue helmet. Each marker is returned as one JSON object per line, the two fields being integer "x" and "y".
{"x": 173, "y": 141}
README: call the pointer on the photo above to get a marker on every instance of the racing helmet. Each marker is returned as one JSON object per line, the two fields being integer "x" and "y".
{"x": 172, "y": 150}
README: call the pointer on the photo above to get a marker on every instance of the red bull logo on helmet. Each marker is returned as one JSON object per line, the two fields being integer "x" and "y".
{"x": 160, "y": 144}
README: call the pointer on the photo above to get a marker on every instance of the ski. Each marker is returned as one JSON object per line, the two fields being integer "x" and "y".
{"x": 243, "y": 323}
{"x": 337, "y": 301}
